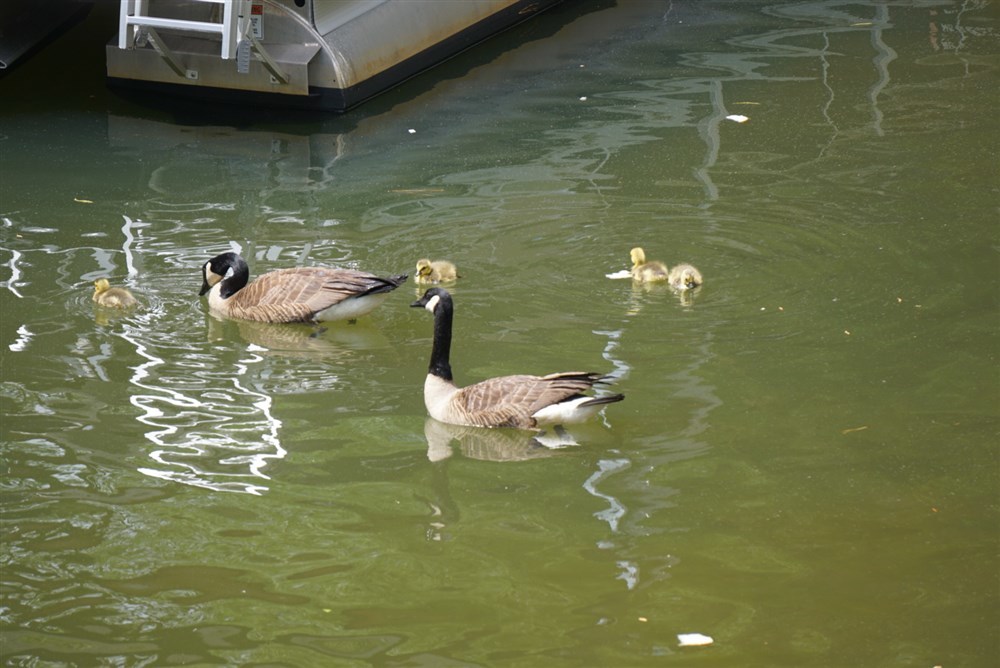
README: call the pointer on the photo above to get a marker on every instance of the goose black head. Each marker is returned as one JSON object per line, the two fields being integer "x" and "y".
{"x": 221, "y": 267}
{"x": 432, "y": 298}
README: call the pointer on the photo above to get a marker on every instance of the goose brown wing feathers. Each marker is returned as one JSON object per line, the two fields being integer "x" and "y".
{"x": 510, "y": 401}
{"x": 298, "y": 293}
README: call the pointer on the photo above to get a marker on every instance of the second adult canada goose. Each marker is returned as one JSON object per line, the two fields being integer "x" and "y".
{"x": 438, "y": 271}
{"x": 299, "y": 294}
{"x": 647, "y": 272}
{"x": 522, "y": 401}
{"x": 110, "y": 297}
{"x": 685, "y": 277}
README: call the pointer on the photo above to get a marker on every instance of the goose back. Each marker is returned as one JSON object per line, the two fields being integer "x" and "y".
{"x": 515, "y": 401}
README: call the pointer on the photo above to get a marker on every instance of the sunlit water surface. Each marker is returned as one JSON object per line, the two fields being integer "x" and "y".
{"x": 805, "y": 467}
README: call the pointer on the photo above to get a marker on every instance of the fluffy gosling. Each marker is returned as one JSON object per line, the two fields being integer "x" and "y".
{"x": 109, "y": 297}
{"x": 438, "y": 271}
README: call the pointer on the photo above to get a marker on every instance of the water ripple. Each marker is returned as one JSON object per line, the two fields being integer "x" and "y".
{"x": 210, "y": 428}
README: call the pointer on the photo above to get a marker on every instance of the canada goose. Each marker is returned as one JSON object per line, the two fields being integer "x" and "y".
{"x": 110, "y": 297}
{"x": 647, "y": 272}
{"x": 524, "y": 402}
{"x": 685, "y": 277}
{"x": 438, "y": 271}
{"x": 299, "y": 294}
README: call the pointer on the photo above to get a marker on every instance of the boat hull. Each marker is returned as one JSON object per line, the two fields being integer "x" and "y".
{"x": 332, "y": 62}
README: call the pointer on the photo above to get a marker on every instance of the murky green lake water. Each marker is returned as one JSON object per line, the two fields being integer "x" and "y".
{"x": 805, "y": 467}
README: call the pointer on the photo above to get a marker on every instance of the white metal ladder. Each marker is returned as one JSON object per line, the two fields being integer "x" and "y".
{"x": 136, "y": 28}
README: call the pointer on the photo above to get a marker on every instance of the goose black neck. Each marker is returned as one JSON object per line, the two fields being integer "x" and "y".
{"x": 440, "y": 354}
{"x": 237, "y": 280}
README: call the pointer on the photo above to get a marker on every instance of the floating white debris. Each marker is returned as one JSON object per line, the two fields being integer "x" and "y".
{"x": 739, "y": 118}
{"x": 583, "y": 98}
{"x": 624, "y": 273}
{"x": 694, "y": 639}
{"x": 412, "y": 131}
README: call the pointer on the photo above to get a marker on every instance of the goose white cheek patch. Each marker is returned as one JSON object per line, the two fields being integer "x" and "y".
{"x": 432, "y": 303}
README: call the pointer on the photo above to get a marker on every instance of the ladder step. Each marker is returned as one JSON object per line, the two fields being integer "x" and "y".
{"x": 176, "y": 24}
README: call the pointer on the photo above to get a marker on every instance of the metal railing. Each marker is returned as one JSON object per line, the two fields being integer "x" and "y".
{"x": 135, "y": 22}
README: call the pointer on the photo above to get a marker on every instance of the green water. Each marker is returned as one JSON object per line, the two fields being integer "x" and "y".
{"x": 805, "y": 467}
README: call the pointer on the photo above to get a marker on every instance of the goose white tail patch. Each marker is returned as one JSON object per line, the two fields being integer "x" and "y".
{"x": 352, "y": 308}
{"x": 567, "y": 412}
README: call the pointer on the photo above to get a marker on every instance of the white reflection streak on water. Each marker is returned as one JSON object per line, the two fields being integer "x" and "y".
{"x": 616, "y": 509}
{"x": 24, "y": 334}
{"x": 708, "y": 130}
{"x": 23, "y": 339}
{"x": 884, "y": 54}
{"x": 612, "y": 514}
{"x": 15, "y": 271}
{"x": 188, "y": 441}
{"x": 127, "y": 246}
{"x": 194, "y": 425}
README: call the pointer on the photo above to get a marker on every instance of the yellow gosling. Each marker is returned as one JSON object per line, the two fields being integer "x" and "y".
{"x": 684, "y": 277}
{"x": 110, "y": 297}
{"x": 438, "y": 271}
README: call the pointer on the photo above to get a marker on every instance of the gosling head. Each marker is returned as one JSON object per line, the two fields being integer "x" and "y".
{"x": 686, "y": 278}
{"x": 101, "y": 285}
{"x": 638, "y": 256}
{"x": 424, "y": 267}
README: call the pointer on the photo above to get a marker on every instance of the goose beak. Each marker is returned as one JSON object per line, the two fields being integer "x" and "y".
{"x": 418, "y": 304}
{"x": 205, "y": 287}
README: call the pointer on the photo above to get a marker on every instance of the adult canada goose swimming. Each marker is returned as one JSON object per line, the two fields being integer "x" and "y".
{"x": 438, "y": 271}
{"x": 685, "y": 277}
{"x": 524, "y": 402}
{"x": 299, "y": 294}
{"x": 647, "y": 272}
{"x": 110, "y": 297}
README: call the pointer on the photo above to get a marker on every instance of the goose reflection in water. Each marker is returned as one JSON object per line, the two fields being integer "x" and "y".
{"x": 492, "y": 445}
{"x": 302, "y": 339}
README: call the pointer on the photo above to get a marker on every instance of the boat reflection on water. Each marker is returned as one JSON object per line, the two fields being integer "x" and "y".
{"x": 493, "y": 445}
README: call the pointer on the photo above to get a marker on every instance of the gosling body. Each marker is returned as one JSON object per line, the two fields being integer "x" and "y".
{"x": 299, "y": 294}
{"x": 109, "y": 297}
{"x": 644, "y": 271}
{"x": 437, "y": 271}
{"x": 519, "y": 401}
